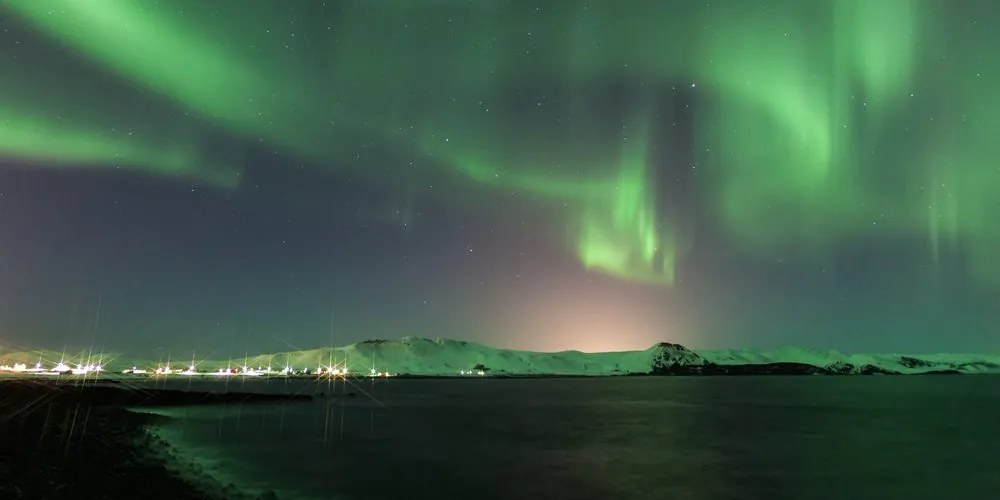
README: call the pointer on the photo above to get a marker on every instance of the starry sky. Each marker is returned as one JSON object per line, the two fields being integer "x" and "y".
{"x": 247, "y": 175}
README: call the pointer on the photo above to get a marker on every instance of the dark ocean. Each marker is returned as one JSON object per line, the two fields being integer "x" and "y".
{"x": 605, "y": 438}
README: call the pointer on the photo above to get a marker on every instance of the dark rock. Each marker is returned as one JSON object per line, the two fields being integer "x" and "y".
{"x": 841, "y": 368}
{"x": 975, "y": 366}
{"x": 913, "y": 362}
{"x": 747, "y": 369}
{"x": 675, "y": 359}
{"x": 875, "y": 370}
{"x": 774, "y": 369}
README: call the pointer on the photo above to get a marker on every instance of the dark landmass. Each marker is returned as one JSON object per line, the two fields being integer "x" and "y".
{"x": 68, "y": 440}
{"x": 763, "y": 369}
{"x": 941, "y": 372}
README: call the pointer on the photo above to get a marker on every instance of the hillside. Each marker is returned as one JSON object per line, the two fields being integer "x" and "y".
{"x": 421, "y": 356}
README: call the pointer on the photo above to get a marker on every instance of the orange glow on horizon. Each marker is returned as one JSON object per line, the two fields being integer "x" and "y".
{"x": 594, "y": 320}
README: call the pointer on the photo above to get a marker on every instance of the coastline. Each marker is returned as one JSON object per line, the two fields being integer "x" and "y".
{"x": 205, "y": 474}
{"x": 83, "y": 441}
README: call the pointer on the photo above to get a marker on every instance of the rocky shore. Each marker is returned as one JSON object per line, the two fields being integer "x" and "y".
{"x": 73, "y": 440}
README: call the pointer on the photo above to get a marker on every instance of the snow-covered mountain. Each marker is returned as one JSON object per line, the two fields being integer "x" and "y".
{"x": 445, "y": 357}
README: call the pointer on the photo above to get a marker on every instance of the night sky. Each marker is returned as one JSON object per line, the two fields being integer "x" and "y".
{"x": 236, "y": 176}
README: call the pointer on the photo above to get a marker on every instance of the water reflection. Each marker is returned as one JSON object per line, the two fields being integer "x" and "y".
{"x": 796, "y": 437}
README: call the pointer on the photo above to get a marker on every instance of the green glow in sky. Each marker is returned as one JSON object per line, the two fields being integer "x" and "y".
{"x": 619, "y": 234}
{"x": 815, "y": 122}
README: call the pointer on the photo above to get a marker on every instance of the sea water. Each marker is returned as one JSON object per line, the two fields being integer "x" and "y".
{"x": 607, "y": 438}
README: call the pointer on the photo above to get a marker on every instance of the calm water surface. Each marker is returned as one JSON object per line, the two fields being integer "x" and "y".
{"x": 609, "y": 438}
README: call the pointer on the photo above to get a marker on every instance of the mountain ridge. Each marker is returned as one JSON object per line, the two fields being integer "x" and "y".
{"x": 421, "y": 356}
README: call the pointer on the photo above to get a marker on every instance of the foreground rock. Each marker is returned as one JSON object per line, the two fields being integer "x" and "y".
{"x": 72, "y": 441}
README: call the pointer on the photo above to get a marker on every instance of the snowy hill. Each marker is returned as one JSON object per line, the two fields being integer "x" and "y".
{"x": 445, "y": 357}
{"x": 839, "y": 363}
{"x": 421, "y": 356}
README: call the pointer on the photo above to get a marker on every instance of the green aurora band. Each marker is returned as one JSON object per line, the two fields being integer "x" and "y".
{"x": 817, "y": 122}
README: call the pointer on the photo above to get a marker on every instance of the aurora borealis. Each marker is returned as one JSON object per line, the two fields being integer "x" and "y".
{"x": 592, "y": 175}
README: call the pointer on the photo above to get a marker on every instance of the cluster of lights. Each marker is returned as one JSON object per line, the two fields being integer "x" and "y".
{"x": 192, "y": 370}
{"x": 60, "y": 368}
{"x": 22, "y": 368}
{"x": 480, "y": 373}
{"x": 82, "y": 369}
{"x": 244, "y": 370}
{"x": 332, "y": 371}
